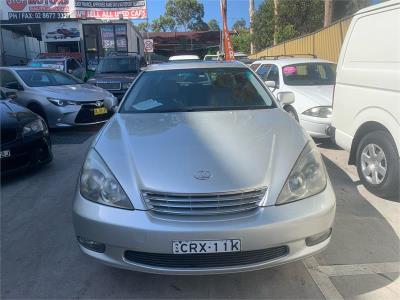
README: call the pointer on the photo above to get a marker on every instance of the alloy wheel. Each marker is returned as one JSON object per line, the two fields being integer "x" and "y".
{"x": 373, "y": 164}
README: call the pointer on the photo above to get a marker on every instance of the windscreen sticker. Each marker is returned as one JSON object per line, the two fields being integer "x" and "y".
{"x": 146, "y": 105}
{"x": 289, "y": 70}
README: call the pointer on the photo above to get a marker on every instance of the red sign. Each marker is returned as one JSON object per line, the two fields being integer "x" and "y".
{"x": 17, "y": 5}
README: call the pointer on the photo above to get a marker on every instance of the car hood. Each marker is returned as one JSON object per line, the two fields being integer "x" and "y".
{"x": 120, "y": 77}
{"x": 163, "y": 151}
{"x": 79, "y": 92}
{"x": 319, "y": 95}
{"x": 13, "y": 114}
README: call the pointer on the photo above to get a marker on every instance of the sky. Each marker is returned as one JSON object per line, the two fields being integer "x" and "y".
{"x": 237, "y": 9}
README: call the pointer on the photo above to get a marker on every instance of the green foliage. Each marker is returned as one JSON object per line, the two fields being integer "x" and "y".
{"x": 143, "y": 26}
{"x": 186, "y": 13}
{"x": 286, "y": 32}
{"x": 295, "y": 18}
{"x": 239, "y": 25}
{"x": 163, "y": 23}
{"x": 241, "y": 41}
{"x": 263, "y": 25}
{"x": 199, "y": 25}
{"x": 346, "y": 8}
{"x": 305, "y": 15}
{"x": 213, "y": 25}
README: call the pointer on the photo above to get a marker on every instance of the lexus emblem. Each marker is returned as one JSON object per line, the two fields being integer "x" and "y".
{"x": 202, "y": 175}
{"x": 99, "y": 103}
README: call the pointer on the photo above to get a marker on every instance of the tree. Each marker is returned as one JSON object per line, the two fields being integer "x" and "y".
{"x": 143, "y": 26}
{"x": 186, "y": 13}
{"x": 213, "y": 25}
{"x": 163, "y": 23}
{"x": 328, "y": 13}
{"x": 199, "y": 25}
{"x": 239, "y": 25}
{"x": 241, "y": 41}
{"x": 263, "y": 25}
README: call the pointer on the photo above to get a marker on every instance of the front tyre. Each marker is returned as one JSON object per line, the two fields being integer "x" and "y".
{"x": 378, "y": 164}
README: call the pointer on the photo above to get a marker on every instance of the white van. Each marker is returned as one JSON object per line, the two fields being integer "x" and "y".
{"x": 366, "y": 103}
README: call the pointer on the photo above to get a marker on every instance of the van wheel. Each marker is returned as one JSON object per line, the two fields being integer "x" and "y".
{"x": 291, "y": 111}
{"x": 378, "y": 164}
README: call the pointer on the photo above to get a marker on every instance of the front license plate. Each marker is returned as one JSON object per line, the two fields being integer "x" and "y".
{"x": 100, "y": 111}
{"x": 5, "y": 153}
{"x": 201, "y": 247}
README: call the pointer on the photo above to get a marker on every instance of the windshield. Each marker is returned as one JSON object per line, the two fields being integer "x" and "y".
{"x": 39, "y": 78}
{"x": 197, "y": 90}
{"x": 118, "y": 65}
{"x": 309, "y": 74}
{"x": 54, "y": 64}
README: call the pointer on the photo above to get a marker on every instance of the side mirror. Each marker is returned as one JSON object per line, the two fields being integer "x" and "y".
{"x": 11, "y": 94}
{"x": 271, "y": 84}
{"x": 111, "y": 104}
{"x": 286, "y": 98}
{"x": 14, "y": 85}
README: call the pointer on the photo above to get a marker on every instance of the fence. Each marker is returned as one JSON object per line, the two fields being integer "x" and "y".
{"x": 325, "y": 43}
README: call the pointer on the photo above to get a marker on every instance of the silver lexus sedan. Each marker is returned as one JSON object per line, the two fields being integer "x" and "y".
{"x": 59, "y": 98}
{"x": 201, "y": 171}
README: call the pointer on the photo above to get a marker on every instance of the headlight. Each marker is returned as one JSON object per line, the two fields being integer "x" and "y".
{"x": 99, "y": 185}
{"x": 34, "y": 127}
{"x": 306, "y": 179}
{"x": 61, "y": 102}
{"x": 319, "y": 111}
{"x": 126, "y": 85}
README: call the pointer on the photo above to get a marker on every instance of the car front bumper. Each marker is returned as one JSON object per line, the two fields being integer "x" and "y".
{"x": 124, "y": 230}
{"x": 316, "y": 127}
{"x": 25, "y": 153}
{"x": 75, "y": 115}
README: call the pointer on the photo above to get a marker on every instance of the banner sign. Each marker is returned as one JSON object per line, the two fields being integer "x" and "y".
{"x": 62, "y": 31}
{"x": 20, "y": 11}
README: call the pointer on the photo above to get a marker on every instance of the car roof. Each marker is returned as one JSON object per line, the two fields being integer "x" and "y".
{"x": 183, "y": 57}
{"x": 291, "y": 60}
{"x": 194, "y": 65}
{"x": 25, "y": 68}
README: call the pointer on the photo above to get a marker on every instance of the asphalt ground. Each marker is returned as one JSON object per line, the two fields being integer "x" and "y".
{"x": 40, "y": 257}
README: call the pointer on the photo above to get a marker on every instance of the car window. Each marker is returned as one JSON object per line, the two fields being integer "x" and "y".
{"x": 273, "y": 74}
{"x": 6, "y": 77}
{"x": 118, "y": 65}
{"x": 254, "y": 66}
{"x": 196, "y": 90}
{"x": 54, "y": 64}
{"x": 309, "y": 74}
{"x": 72, "y": 64}
{"x": 263, "y": 71}
{"x": 38, "y": 78}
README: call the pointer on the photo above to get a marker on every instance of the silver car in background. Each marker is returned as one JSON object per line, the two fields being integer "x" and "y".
{"x": 211, "y": 176}
{"x": 61, "y": 99}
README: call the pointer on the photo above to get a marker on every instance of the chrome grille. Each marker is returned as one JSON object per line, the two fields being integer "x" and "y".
{"x": 204, "y": 204}
{"x": 111, "y": 86}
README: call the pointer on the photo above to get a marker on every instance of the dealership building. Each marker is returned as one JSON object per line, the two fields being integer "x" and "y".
{"x": 89, "y": 34}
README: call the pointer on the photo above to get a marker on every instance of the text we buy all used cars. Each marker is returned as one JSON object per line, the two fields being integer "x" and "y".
{"x": 59, "y": 98}
{"x": 212, "y": 176}
{"x": 366, "y": 106}
{"x": 311, "y": 80}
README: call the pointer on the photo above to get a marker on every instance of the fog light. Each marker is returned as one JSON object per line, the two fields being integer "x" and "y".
{"x": 318, "y": 238}
{"x": 91, "y": 245}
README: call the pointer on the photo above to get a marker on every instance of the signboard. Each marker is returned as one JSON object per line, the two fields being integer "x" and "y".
{"x": 20, "y": 11}
{"x": 61, "y": 31}
{"x": 148, "y": 46}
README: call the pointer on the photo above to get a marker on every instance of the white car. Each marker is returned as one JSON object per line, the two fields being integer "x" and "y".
{"x": 366, "y": 110}
{"x": 311, "y": 80}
